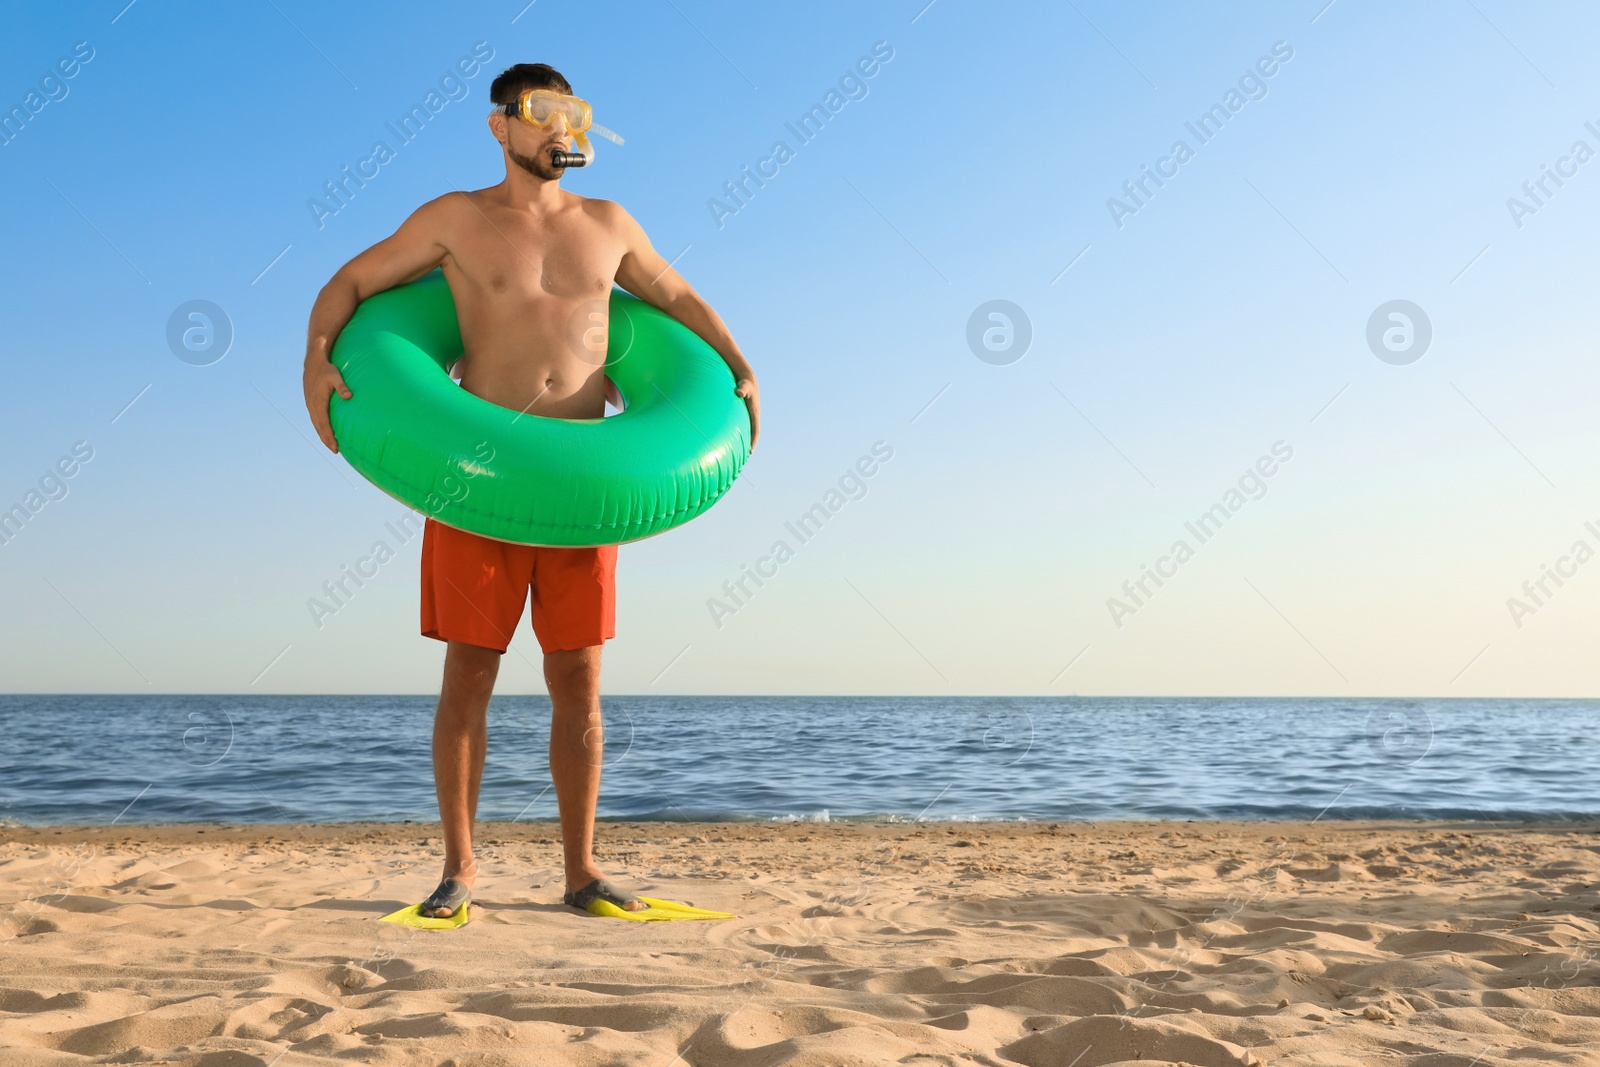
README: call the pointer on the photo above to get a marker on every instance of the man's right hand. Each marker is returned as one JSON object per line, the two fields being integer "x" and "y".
{"x": 410, "y": 252}
{"x": 321, "y": 380}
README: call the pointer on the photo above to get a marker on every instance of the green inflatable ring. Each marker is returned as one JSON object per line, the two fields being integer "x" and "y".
{"x": 672, "y": 452}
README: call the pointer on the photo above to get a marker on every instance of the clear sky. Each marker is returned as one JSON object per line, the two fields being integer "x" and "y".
{"x": 1334, "y": 158}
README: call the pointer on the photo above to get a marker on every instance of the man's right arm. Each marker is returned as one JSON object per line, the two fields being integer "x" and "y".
{"x": 413, "y": 250}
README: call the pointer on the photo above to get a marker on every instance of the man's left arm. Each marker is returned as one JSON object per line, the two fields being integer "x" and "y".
{"x": 647, "y": 276}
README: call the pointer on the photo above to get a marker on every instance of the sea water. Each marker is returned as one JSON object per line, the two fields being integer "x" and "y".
{"x": 306, "y": 759}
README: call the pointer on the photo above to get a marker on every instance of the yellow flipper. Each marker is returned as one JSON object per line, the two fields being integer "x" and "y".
{"x": 658, "y": 911}
{"x": 412, "y": 916}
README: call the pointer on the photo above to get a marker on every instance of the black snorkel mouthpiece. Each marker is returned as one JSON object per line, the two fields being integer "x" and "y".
{"x": 559, "y": 158}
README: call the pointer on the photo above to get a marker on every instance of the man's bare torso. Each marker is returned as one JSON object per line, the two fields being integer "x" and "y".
{"x": 532, "y": 295}
{"x": 531, "y": 269}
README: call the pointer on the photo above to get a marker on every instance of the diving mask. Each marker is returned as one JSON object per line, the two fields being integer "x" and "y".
{"x": 539, "y": 108}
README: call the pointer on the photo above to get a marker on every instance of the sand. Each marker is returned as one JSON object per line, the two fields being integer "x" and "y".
{"x": 916, "y": 943}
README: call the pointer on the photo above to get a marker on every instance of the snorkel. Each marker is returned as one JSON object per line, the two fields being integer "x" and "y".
{"x": 585, "y": 150}
{"x": 581, "y": 157}
{"x": 584, "y": 154}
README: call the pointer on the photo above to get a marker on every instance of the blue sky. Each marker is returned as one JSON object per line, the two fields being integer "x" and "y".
{"x": 1168, "y": 355}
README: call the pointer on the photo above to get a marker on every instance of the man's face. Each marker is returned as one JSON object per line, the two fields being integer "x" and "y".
{"x": 529, "y": 146}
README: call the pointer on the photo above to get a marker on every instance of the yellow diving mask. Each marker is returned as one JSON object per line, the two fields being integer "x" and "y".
{"x": 539, "y": 108}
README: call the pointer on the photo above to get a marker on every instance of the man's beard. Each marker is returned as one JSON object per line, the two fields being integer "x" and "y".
{"x": 537, "y": 165}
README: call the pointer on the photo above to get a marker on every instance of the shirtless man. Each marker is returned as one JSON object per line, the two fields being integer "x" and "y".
{"x": 530, "y": 267}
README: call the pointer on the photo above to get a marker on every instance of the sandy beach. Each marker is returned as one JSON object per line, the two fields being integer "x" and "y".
{"x": 1434, "y": 945}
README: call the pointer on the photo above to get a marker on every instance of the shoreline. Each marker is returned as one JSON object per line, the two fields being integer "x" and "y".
{"x": 542, "y": 829}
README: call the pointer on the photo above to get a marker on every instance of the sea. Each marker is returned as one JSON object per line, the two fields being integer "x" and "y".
{"x": 145, "y": 759}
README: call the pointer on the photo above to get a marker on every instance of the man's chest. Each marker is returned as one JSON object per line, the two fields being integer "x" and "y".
{"x": 508, "y": 255}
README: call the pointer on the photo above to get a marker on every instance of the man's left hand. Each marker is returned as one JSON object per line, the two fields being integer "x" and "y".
{"x": 747, "y": 388}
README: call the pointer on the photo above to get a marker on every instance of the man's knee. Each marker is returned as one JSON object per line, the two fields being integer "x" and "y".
{"x": 573, "y": 666}
{"x": 471, "y": 664}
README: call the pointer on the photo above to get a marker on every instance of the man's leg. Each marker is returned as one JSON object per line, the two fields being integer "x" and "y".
{"x": 577, "y": 747}
{"x": 460, "y": 742}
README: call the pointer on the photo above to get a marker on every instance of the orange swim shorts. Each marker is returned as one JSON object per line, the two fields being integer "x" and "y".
{"x": 473, "y": 589}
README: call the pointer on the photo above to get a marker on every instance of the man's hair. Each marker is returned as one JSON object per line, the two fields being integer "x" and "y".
{"x": 514, "y": 79}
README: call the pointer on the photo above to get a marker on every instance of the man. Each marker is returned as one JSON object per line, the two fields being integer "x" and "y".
{"x": 530, "y": 267}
